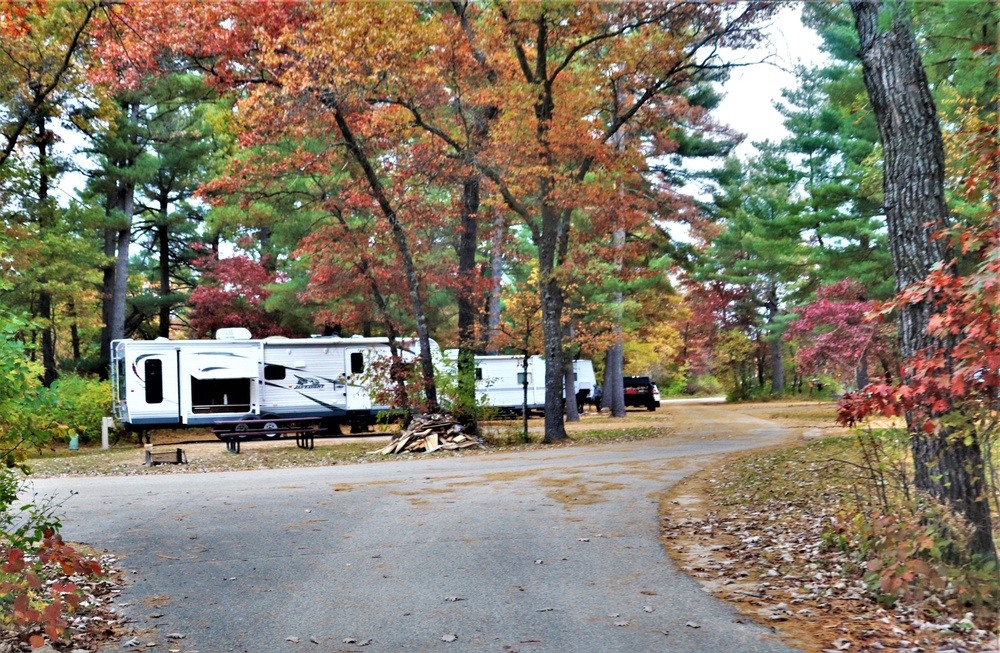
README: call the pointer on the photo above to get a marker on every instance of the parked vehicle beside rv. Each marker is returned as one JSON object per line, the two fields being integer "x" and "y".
{"x": 641, "y": 391}
{"x": 180, "y": 383}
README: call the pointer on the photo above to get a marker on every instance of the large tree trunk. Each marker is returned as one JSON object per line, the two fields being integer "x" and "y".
{"x": 125, "y": 203}
{"x": 614, "y": 363}
{"x": 552, "y": 305}
{"x": 467, "y": 314}
{"x": 613, "y": 396}
{"x": 107, "y": 294}
{"x": 163, "y": 242}
{"x": 774, "y": 345}
{"x": 42, "y": 141}
{"x": 946, "y": 467}
{"x": 123, "y": 241}
{"x": 569, "y": 392}
{"x": 569, "y": 379}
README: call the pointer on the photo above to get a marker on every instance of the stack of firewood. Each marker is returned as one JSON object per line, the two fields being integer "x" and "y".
{"x": 428, "y": 433}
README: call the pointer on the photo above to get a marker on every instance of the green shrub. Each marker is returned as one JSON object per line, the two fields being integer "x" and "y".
{"x": 705, "y": 384}
{"x": 81, "y": 402}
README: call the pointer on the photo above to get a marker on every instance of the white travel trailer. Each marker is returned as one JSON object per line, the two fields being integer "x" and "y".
{"x": 500, "y": 380}
{"x": 178, "y": 383}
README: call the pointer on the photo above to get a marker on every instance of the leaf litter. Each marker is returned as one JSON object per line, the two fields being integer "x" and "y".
{"x": 766, "y": 554}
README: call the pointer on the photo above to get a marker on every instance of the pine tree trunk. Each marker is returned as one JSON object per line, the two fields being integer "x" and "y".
{"x": 42, "y": 141}
{"x": 125, "y": 202}
{"x": 774, "y": 345}
{"x": 945, "y": 466}
{"x": 163, "y": 240}
{"x": 107, "y": 294}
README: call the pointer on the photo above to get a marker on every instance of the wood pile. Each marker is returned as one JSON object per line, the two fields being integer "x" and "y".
{"x": 428, "y": 433}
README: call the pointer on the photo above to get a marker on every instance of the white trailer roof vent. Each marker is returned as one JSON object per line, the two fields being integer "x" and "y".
{"x": 233, "y": 333}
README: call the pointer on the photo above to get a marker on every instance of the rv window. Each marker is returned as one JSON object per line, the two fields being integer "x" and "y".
{"x": 479, "y": 374}
{"x": 154, "y": 381}
{"x": 357, "y": 362}
{"x": 274, "y": 372}
{"x": 520, "y": 378}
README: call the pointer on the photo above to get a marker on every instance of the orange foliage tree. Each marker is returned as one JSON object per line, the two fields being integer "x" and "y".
{"x": 554, "y": 109}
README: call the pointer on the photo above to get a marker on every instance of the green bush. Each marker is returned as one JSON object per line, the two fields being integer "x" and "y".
{"x": 81, "y": 402}
{"x": 705, "y": 384}
{"x": 25, "y": 405}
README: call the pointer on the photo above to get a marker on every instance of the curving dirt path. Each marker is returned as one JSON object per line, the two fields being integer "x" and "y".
{"x": 551, "y": 550}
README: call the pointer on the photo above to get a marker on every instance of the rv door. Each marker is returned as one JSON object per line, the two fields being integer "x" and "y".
{"x": 151, "y": 388}
{"x": 356, "y": 361}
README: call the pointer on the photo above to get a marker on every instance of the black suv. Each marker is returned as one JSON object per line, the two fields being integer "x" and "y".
{"x": 641, "y": 391}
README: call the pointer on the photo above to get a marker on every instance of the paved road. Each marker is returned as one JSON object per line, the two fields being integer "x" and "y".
{"x": 555, "y": 550}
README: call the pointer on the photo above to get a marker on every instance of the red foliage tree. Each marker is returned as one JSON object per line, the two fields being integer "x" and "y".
{"x": 835, "y": 337}
{"x": 232, "y": 294}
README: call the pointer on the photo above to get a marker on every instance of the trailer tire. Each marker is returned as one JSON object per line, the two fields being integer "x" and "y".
{"x": 271, "y": 425}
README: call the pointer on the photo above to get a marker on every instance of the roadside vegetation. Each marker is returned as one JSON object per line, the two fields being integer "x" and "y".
{"x": 830, "y": 543}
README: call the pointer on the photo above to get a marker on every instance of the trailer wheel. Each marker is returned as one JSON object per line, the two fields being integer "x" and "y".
{"x": 240, "y": 428}
{"x": 271, "y": 436}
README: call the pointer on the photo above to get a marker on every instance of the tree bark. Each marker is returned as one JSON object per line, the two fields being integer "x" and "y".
{"x": 774, "y": 345}
{"x": 466, "y": 246}
{"x": 163, "y": 242}
{"x": 945, "y": 466}
{"x": 124, "y": 202}
{"x": 613, "y": 396}
{"x": 861, "y": 371}
{"x": 614, "y": 363}
{"x": 496, "y": 275}
{"x": 43, "y": 138}
{"x": 569, "y": 390}
{"x": 107, "y": 294}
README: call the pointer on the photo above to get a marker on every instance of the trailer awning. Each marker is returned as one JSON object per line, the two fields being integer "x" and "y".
{"x": 223, "y": 366}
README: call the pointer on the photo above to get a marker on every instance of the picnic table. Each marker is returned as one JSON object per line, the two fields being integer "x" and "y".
{"x": 236, "y": 431}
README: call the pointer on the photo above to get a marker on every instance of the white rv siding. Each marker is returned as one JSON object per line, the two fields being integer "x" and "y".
{"x": 205, "y": 381}
{"x": 500, "y": 384}
{"x": 585, "y": 379}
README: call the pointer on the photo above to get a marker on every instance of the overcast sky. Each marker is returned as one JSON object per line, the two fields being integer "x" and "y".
{"x": 751, "y": 90}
